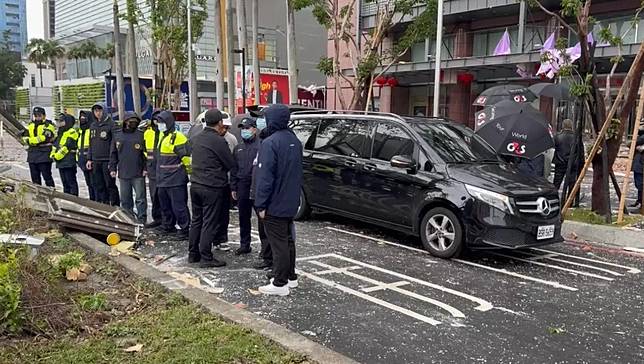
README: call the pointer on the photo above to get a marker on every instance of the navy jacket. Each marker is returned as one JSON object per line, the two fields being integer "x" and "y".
{"x": 211, "y": 159}
{"x": 279, "y": 168}
{"x": 638, "y": 161}
{"x": 245, "y": 154}
{"x": 101, "y": 133}
{"x": 127, "y": 156}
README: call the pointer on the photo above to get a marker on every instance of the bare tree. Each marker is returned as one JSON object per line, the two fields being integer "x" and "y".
{"x": 120, "y": 89}
{"x": 242, "y": 38}
{"x": 132, "y": 19}
{"x": 256, "y": 72}
{"x": 291, "y": 49}
{"x": 230, "y": 43}
{"x": 219, "y": 61}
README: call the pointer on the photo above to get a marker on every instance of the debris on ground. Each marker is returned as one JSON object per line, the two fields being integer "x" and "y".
{"x": 308, "y": 333}
{"x": 254, "y": 292}
{"x": 240, "y": 305}
{"x": 22, "y": 239}
{"x": 134, "y": 349}
{"x": 186, "y": 278}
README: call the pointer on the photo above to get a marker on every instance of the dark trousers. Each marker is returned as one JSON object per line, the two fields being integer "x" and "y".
{"x": 639, "y": 181}
{"x": 104, "y": 184}
{"x": 221, "y": 235}
{"x": 281, "y": 237}
{"x": 560, "y": 174}
{"x": 207, "y": 206}
{"x": 41, "y": 169}
{"x": 154, "y": 196}
{"x": 246, "y": 209}
{"x": 266, "y": 254}
{"x": 174, "y": 206}
{"x": 68, "y": 177}
{"x": 90, "y": 185}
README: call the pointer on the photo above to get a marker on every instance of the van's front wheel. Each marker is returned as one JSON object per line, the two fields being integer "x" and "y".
{"x": 303, "y": 210}
{"x": 442, "y": 233}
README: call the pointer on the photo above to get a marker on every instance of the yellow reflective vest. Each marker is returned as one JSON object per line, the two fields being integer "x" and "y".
{"x": 39, "y": 138}
{"x": 152, "y": 138}
{"x": 83, "y": 148}
{"x": 173, "y": 159}
{"x": 64, "y": 150}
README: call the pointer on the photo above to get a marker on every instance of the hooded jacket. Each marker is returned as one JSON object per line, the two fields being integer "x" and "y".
{"x": 172, "y": 155}
{"x": 64, "y": 149}
{"x": 563, "y": 146}
{"x": 638, "y": 160}
{"x": 127, "y": 155}
{"x": 245, "y": 154}
{"x": 101, "y": 134}
{"x": 279, "y": 168}
{"x": 83, "y": 140}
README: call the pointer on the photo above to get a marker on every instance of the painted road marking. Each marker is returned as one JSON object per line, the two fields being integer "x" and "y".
{"x": 371, "y": 299}
{"x": 631, "y": 270}
{"x": 378, "y": 285}
{"x": 554, "y": 258}
{"x": 497, "y": 270}
{"x": 572, "y": 271}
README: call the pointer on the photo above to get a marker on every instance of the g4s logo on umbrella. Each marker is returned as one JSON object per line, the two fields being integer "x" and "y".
{"x": 516, "y": 148}
{"x": 481, "y": 118}
{"x": 520, "y": 98}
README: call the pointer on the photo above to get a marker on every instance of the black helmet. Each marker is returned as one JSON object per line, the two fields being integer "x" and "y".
{"x": 38, "y": 110}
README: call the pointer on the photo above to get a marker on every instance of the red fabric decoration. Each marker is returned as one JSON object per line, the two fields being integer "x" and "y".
{"x": 381, "y": 81}
{"x": 465, "y": 78}
{"x": 392, "y": 82}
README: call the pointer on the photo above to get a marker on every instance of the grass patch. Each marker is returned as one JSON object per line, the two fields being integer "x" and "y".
{"x": 93, "y": 302}
{"x": 174, "y": 334}
{"x": 589, "y": 217}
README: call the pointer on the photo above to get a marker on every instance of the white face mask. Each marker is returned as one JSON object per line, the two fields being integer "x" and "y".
{"x": 162, "y": 127}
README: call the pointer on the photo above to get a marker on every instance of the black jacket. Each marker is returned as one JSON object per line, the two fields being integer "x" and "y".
{"x": 245, "y": 154}
{"x": 638, "y": 161}
{"x": 127, "y": 156}
{"x": 211, "y": 159}
{"x": 70, "y": 143}
{"x": 563, "y": 145}
{"x": 100, "y": 140}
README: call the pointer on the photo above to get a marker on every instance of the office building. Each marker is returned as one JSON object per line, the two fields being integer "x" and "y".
{"x": 49, "y": 18}
{"x": 13, "y": 20}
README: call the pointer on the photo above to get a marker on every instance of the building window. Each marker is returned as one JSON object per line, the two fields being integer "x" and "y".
{"x": 33, "y": 80}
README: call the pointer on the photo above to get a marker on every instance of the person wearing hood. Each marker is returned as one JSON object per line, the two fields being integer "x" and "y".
{"x": 102, "y": 130}
{"x": 39, "y": 138}
{"x": 209, "y": 192}
{"x": 279, "y": 184}
{"x": 265, "y": 254}
{"x": 172, "y": 165}
{"x": 64, "y": 153}
{"x": 638, "y": 167}
{"x": 128, "y": 163}
{"x": 83, "y": 150}
{"x": 245, "y": 154}
{"x": 152, "y": 137}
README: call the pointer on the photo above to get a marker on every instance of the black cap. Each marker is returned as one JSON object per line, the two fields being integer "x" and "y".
{"x": 213, "y": 116}
{"x": 248, "y": 122}
{"x": 131, "y": 115}
{"x": 39, "y": 110}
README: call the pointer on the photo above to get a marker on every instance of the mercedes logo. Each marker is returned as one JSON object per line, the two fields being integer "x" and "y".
{"x": 543, "y": 206}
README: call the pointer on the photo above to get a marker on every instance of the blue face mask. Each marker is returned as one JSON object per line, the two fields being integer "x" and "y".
{"x": 261, "y": 123}
{"x": 246, "y": 134}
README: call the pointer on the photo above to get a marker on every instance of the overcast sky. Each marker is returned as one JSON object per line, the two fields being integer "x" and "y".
{"x": 35, "y": 18}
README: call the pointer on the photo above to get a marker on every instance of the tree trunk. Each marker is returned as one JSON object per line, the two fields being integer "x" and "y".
{"x": 291, "y": 53}
{"x": 155, "y": 61}
{"x": 257, "y": 86}
{"x": 77, "y": 73}
{"x": 120, "y": 94}
{"x": 230, "y": 43}
{"x": 219, "y": 54}
{"x": 91, "y": 66}
{"x": 40, "y": 68}
{"x": 134, "y": 68}
{"x": 242, "y": 38}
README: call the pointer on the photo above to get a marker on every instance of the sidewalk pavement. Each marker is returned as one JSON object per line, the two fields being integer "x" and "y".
{"x": 625, "y": 237}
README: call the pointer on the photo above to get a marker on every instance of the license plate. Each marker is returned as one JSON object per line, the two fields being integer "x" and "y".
{"x": 546, "y": 232}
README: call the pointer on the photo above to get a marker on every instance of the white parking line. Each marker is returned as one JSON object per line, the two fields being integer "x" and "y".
{"x": 378, "y": 285}
{"x": 371, "y": 299}
{"x": 498, "y": 270}
{"x": 554, "y": 258}
{"x": 572, "y": 271}
{"x": 631, "y": 270}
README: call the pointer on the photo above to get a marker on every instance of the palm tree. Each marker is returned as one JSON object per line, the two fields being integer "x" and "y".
{"x": 107, "y": 53}
{"x": 35, "y": 47}
{"x": 53, "y": 51}
{"x": 90, "y": 51}
{"x": 75, "y": 54}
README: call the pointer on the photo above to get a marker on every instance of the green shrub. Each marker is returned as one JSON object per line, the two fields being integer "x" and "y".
{"x": 11, "y": 317}
{"x": 93, "y": 302}
{"x": 7, "y": 220}
{"x": 70, "y": 260}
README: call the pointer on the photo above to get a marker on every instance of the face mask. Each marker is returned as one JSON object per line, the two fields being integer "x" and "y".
{"x": 162, "y": 127}
{"x": 261, "y": 123}
{"x": 246, "y": 134}
{"x": 60, "y": 124}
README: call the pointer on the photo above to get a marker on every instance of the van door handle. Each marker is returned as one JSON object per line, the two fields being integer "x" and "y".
{"x": 369, "y": 167}
{"x": 350, "y": 163}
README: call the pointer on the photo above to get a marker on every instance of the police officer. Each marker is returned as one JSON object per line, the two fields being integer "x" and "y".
{"x": 64, "y": 153}
{"x": 245, "y": 154}
{"x": 172, "y": 165}
{"x": 83, "y": 150}
{"x": 101, "y": 133}
{"x": 209, "y": 192}
{"x": 152, "y": 138}
{"x": 39, "y": 138}
{"x": 128, "y": 162}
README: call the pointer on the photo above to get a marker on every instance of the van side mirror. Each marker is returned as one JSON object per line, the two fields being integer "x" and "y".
{"x": 403, "y": 161}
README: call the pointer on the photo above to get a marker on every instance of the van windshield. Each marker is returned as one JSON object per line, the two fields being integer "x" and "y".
{"x": 455, "y": 144}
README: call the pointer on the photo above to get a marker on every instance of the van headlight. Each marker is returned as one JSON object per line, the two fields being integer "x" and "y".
{"x": 501, "y": 202}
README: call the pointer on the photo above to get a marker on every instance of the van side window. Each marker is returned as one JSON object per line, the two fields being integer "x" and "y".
{"x": 391, "y": 140}
{"x": 305, "y": 130}
{"x": 343, "y": 137}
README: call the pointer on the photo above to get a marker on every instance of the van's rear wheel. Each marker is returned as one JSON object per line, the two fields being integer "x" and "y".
{"x": 442, "y": 233}
{"x": 303, "y": 210}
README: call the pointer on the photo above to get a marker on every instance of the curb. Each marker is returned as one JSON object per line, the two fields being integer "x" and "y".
{"x": 286, "y": 338}
{"x": 615, "y": 236}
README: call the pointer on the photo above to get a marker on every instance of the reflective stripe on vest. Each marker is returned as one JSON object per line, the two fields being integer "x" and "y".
{"x": 151, "y": 137}
{"x": 37, "y": 134}
{"x": 167, "y": 157}
{"x": 62, "y": 151}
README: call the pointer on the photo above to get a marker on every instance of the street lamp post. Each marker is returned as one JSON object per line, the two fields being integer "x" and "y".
{"x": 190, "y": 85}
{"x": 437, "y": 58}
{"x": 243, "y": 53}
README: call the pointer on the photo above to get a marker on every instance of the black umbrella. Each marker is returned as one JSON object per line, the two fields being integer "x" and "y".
{"x": 557, "y": 91}
{"x": 495, "y": 94}
{"x": 502, "y": 109}
{"x": 518, "y": 130}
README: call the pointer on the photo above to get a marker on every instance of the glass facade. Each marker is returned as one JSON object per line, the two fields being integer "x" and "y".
{"x": 13, "y": 18}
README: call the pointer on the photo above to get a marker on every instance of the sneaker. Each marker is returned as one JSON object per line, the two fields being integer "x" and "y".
{"x": 214, "y": 263}
{"x": 224, "y": 247}
{"x": 272, "y": 290}
{"x": 193, "y": 260}
{"x": 290, "y": 284}
{"x": 152, "y": 225}
{"x": 183, "y": 233}
{"x": 242, "y": 251}
{"x": 264, "y": 264}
